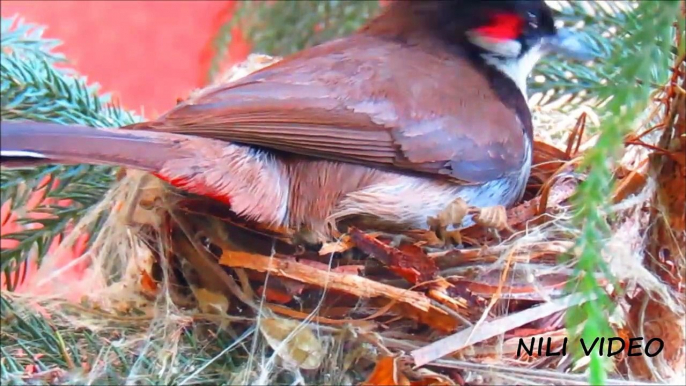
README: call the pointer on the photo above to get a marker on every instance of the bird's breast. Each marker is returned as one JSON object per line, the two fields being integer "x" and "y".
{"x": 324, "y": 192}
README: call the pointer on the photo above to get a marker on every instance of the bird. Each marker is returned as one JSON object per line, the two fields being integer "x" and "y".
{"x": 423, "y": 105}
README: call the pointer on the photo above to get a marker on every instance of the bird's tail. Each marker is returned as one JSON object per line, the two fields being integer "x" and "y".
{"x": 242, "y": 177}
{"x": 26, "y": 144}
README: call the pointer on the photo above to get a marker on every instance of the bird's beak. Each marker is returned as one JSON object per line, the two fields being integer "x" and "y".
{"x": 570, "y": 44}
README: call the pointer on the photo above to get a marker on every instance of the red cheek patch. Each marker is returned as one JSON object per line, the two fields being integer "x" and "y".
{"x": 503, "y": 26}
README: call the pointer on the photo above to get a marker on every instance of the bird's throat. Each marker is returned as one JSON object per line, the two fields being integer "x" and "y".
{"x": 517, "y": 69}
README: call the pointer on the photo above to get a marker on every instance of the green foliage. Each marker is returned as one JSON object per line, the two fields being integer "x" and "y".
{"x": 284, "y": 27}
{"x": 600, "y": 23}
{"x": 650, "y": 34}
{"x": 28, "y": 39}
{"x": 63, "y": 355}
{"x": 33, "y": 88}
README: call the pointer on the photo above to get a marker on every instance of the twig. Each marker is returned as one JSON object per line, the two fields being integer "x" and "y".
{"x": 460, "y": 340}
{"x": 318, "y": 319}
{"x": 358, "y": 286}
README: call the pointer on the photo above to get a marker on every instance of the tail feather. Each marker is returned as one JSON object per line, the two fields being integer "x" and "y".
{"x": 250, "y": 181}
{"x": 20, "y": 158}
{"x": 25, "y": 144}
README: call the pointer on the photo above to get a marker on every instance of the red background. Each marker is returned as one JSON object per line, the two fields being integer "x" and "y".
{"x": 146, "y": 53}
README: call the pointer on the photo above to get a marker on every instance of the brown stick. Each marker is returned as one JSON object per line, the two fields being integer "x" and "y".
{"x": 413, "y": 304}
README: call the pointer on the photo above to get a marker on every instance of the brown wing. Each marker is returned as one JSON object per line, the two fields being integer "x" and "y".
{"x": 366, "y": 100}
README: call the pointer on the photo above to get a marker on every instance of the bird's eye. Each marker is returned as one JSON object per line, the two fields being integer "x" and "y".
{"x": 533, "y": 22}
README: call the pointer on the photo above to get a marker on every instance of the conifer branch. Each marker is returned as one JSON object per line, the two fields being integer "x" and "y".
{"x": 649, "y": 32}
{"x": 32, "y": 88}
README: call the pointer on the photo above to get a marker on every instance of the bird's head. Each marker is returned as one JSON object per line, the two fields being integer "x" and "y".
{"x": 511, "y": 35}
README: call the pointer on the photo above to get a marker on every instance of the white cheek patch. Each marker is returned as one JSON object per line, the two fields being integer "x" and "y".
{"x": 509, "y": 48}
{"x": 517, "y": 69}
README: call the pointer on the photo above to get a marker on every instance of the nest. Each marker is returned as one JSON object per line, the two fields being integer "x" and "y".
{"x": 385, "y": 309}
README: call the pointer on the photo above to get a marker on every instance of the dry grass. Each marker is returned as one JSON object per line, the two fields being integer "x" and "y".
{"x": 340, "y": 316}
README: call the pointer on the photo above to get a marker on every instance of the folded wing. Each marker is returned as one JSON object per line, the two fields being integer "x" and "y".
{"x": 356, "y": 100}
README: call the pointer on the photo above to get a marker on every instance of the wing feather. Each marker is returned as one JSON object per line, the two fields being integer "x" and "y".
{"x": 353, "y": 100}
